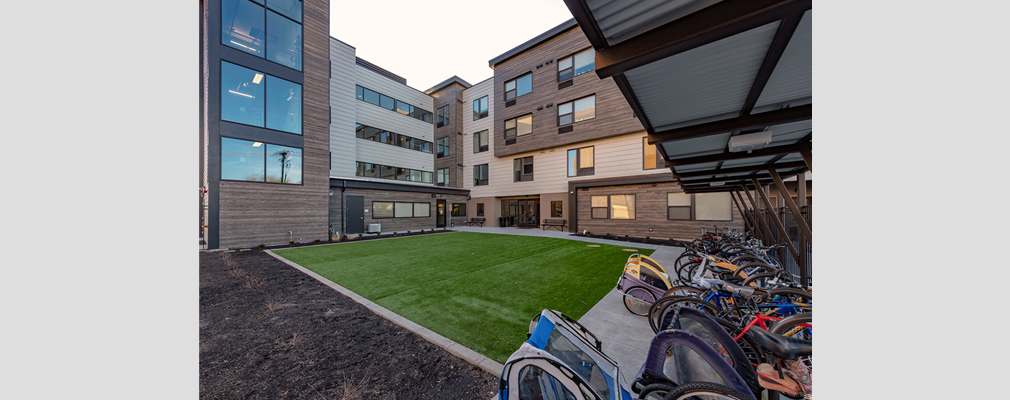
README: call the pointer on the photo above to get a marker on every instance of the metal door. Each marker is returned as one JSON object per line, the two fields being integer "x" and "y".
{"x": 355, "y": 214}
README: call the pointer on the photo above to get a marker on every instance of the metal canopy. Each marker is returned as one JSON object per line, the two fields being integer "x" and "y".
{"x": 699, "y": 72}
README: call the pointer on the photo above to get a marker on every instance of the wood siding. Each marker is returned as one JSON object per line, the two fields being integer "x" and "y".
{"x": 613, "y": 114}
{"x": 254, "y": 213}
{"x": 395, "y": 224}
{"x": 650, "y": 212}
{"x": 452, "y": 96}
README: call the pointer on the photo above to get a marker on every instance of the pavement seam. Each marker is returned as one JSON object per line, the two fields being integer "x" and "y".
{"x": 480, "y": 361}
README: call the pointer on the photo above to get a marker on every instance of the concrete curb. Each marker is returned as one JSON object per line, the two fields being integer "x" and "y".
{"x": 458, "y": 350}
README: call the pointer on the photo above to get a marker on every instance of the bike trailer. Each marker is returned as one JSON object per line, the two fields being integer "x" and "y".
{"x": 560, "y": 360}
{"x": 677, "y": 357}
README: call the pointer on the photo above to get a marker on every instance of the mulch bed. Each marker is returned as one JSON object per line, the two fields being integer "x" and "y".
{"x": 356, "y": 238}
{"x": 268, "y": 331}
{"x": 658, "y": 242}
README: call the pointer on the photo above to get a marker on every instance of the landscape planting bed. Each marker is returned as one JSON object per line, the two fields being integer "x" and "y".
{"x": 268, "y": 331}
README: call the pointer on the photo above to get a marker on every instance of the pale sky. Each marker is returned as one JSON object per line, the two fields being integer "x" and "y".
{"x": 428, "y": 42}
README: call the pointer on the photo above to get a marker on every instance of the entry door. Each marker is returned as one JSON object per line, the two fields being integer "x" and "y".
{"x": 440, "y": 213}
{"x": 355, "y": 214}
{"x": 529, "y": 213}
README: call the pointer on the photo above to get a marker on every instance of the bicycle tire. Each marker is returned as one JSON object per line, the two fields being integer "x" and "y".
{"x": 684, "y": 274}
{"x": 709, "y": 390}
{"x": 636, "y": 298}
{"x": 705, "y": 306}
{"x": 684, "y": 290}
{"x": 753, "y": 268}
{"x": 750, "y": 349}
{"x": 759, "y": 280}
{"x": 787, "y": 324}
{"x": 654, "y": 311}
{"x": 656, "y": 391}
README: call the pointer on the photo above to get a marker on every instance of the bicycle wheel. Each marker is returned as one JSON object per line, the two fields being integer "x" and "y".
{"x": 706, "y": 307}
{"x": 656, "y": 391}
{"x": 638, "y": 299}
{"x": 654, "y": 310}
{"x": 759, "y": 280}
{"x": 684, "y": 272}
{"x": 790, "y": 326}
{"x": 750, "y": 349}
{"x": 706, "y": 391}
{"x": 684, "y": 290}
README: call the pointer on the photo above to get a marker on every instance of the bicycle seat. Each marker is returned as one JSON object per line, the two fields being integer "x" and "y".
{"x": 743, "y": 291}
{"x": 784, "y": 347}
{"x": 717, "y": 269}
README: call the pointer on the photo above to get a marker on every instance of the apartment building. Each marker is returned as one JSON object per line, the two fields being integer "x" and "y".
{"x": 300, "y": 138}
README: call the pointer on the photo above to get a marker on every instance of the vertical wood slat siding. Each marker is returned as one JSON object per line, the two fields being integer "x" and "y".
{"x": 253, "y": 213}
{"x": 650, "y": 212}
{"x": 396, "y": 224}
{"x": 613, "y": 114}
{"x": 451, "y": 96}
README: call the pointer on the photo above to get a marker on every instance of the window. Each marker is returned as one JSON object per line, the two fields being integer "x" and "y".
{"x": 480, "y": 175}
{"x": 458, "y": 209}
{"x": 370, "y": 170}
{"x": 600, "y": 207}
{"x": 615, "y": 206}
{"x": 519, "y": 86}
{"x": 480, "y": 108}
{"x": 576, "y": 64}
{"x": 556, "y": 209}
{"x": 443, "y": 147}
{"x": 272, "y": 32}
{"x": 699, "y": 206}
{"x": 651, "y": 158}
{"x": 523, "y": 169}
{"x": 480, "y": 141}
{"x": 389, "y": 103}
{"x": 253, "y": 98}
{"x": 542, "y": 385}
{"x": 581, "y": 110}
{"x": 580, "y": 162}
{"x": 442, "y": 177}
{"x": 480, "y": 209}
{"x": 389, "y": 209}
{"x": 518, "y": 126}
{"x": 378, "y": 135}
{"x": 245, "y": 160}
{"x": 442, "y": 116}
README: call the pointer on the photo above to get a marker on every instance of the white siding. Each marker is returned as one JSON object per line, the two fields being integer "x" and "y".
{"x": 342, "y": 140}
{"x": 485, "y": 88}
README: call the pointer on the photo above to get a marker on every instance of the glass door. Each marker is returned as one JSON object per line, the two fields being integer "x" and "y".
{"x": 529, "y": 213}
{"x": 440, "y": 213}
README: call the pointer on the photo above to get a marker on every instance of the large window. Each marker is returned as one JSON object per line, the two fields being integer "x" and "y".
{"x": 443, "y": 147}
{"x": 480, "y": 175}
{"x": 371, "y": 170}
{"x": 615, "y": 206}
{"x": 480, "y": 141}
{"x": 580, "y": 162}
{"x": 458, "y": 209}
{"x": 576, "y": 64}
{"x": 442, "y": 177}
{"x": 390, "y": 209}
{"x": 651, "y": 158}
{"x": 442, "y": 116}
{"x": 370, "y": 96}
{"x": 519, "y": 86}
{"x": 556, "y": 209}
{"x": 699, "y": 206}
{"x": 578, "y": 110}
{"x": 480, "y": 209}
{"x": 253, "y": 98}
{"x": 518, "y": 126}
{"x": 246, "y": 160}
{"x": 480, "y": 108}
{"x": 273, "y": 32}
{"x": 522, "y": 169}
{"x": 400, "y": 140}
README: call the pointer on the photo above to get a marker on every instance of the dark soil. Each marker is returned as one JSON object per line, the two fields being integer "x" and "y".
{"x": 365, "y": 236}
{"x": 268, "y": 331}
{"x": 658, "y": 242}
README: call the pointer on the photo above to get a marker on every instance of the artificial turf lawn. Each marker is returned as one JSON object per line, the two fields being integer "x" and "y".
{"x": 477, "y": 289}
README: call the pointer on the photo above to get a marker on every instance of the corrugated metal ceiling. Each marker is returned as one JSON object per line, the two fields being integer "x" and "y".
{"x": 623, "y": 19}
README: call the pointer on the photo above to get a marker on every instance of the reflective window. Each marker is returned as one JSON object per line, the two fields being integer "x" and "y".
{"x": 556, "y": 209}
{"x": 480, "y": 175}
{"x": 480, "y": 108}
{"x": 536, "y": 384}
{"x": 576, "y": 64}
{"x": 389, "y": 103}
{"x": 422, "y": 209}
{"x": 522, "y": 169}
{"x": 370, "y": 170}
{"x": 581, "y": 162}
{"x": 241, "y": 94}
{"x": 480, "y": 209}
{"x": 386, "y": 102}
{"x": 387, "y": 172}
{"x": 519, "y": 126}
{"x": 713, "y": 206}
{"x": 397, "y": 139}
{"x": 284, "y": 41}
{"x": 458, "y": 209}
{"x": 442, "y": 116}
{"x": 284, "y": 164}
{"x": 284, "y": 105}
{"x": 678, "y": 206}
{"x": 578, "y": 110}
{"x": 651, "y": 158}
{"x": 242, "y": 160}
{"x": 442, "y": 177}
{"x": 622, "y": 206}
{"x": 480, "y": 141}
{"x": 519, "y": 86}
{"x": 242, "y": 26}
{"x": 443, "y": 147}
{"x": 274, "y": 34}
{"x": 382, "y": 209}
{"x": 404, "y": 108}
{"x": 599, "y": 206}
{"x": 403, "y": 210}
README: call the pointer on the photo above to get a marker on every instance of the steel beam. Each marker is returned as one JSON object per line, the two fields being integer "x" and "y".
{"x": 781, "y": 116}
{"x": 809, "y": 159}
{"x": 766, "y": 230}
{"x": 778, "y": 223}
{"x": 734, "y": 170}
{"x": 784, "y": 194}
{"x": 768, "y": 151}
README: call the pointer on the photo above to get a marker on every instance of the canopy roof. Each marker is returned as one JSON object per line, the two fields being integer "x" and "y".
{"x": 698, "y": 72}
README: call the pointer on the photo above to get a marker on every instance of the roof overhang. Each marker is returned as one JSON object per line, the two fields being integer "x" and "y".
{"x": 699, "y": 72}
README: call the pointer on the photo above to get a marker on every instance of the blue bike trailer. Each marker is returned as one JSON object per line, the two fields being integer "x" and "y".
{"x": 570, "y": 355}
{"x": 680, "y": 357}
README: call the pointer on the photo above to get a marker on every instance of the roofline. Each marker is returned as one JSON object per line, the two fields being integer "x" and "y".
{"x": 447, "y": 82}
{"x": 543, "y": 37}
{"x": 343, "y": 42}
{"x": 379, "y": 70}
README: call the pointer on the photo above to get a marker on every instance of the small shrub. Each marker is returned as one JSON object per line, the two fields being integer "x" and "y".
{"x": 608, "y": 234}
{"x": 648, "y": 237}
{"x": 671, "y": 239}
{"x": 261, "y": 245}
{"x": 625, "y": 235}
{"x": 291, "y": 242}
{"x": 251, "y": 283}
{"x": 317, "y": 240}
{"x": 273, "y": 306}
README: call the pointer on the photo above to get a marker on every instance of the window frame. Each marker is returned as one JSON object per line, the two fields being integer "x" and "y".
{"x": 263, "y": 102}
{"x": 572, "y": 112}
{"x": 394, "y": 138}
{"x": 557, "y": 209}
{"x": 360, "y": 168}
{"x": 634, "y": 207}
{"x": 693, "y": 209}
{"x": 444, "y": 173}
{"x": 520, "y": 174}
{"x": 457, "y": 206}
{"x": 418, "y": 113}
{"x": 442, "y": 149}
{"x": 592, "y": 208}
{"x": 413, "y": 209}
{"x": 482, "y": 104}
{"x": 480, "y": 144}
{"x": 263, "y": 176}
{"x": 515, "y": 120}
{"x": 263, "y": 53}
{"x": 579, "y": 170}
{"x": 442, "y": 117}
{"x": 516, "y": 90}
{"x": 477, "y": 169}
{"x": 572, "y": 67}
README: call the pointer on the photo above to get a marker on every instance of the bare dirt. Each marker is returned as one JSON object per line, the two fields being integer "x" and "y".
{"x": 268, "y": 331}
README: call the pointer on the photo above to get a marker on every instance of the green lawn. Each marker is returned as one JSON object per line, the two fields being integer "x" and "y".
{"x": 478, "y": 289}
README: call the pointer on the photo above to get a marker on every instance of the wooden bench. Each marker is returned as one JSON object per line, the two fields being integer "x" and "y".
{"x": 476, "y": 221}
{"x": 559, "y": 223}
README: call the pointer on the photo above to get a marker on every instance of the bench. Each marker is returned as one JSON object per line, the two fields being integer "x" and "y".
{"x": 559, "y": 223}
{"x": 476, "y": 221}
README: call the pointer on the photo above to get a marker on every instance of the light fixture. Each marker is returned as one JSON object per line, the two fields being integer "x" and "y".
{"x": 750, "y": 141}
{"x": 257, "y": 78}
{"x": 242, "y": 94}
{"x": 257, "y": 144}
{"x": 717, "y": 183}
